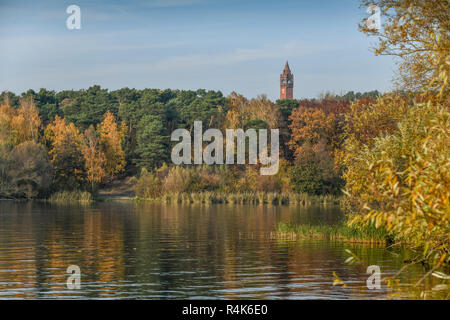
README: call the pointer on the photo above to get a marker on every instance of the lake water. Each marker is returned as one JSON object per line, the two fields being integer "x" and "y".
{"x": 154, "y": 251}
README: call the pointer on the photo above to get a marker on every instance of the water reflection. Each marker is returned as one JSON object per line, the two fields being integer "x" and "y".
{"x": 152, "y": 251}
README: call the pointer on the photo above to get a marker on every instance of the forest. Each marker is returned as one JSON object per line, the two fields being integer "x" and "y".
{"x": 82, "y": 140}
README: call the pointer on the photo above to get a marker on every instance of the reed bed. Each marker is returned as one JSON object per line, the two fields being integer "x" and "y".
{"x": 254, "y": 198}
{"x": 340, "y": 232}
{"x": 71, "y": 197}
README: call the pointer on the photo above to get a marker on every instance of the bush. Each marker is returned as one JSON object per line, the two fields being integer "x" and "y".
{"x": 26, "y": 171}
{"x": 400, "y": 179}
{"x": 180, "y": 180}
{"x": 310, "y": 178}
{"x": 148, "y": 185}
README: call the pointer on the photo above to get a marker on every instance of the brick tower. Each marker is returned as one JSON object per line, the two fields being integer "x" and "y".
{"x": 286, "y": 83}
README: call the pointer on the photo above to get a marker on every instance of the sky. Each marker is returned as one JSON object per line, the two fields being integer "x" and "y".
{"x": 226, "y": 45}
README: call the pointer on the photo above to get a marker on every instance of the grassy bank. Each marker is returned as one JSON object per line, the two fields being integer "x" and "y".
{"x": 258, "y": 198}
{"x": 71, "y": 197}
{"x": 339, "y": 232}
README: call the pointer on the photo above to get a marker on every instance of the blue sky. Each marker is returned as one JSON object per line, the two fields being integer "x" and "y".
{"x": 227, "y": 45}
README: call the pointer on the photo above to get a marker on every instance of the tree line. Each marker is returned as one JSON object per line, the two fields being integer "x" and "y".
{"x": 83, "y": 139}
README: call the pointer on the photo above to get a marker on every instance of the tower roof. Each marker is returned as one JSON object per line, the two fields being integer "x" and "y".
{"x": 286, "y": 67}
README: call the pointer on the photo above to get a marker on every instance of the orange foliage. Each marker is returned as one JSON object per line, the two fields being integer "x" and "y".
{"x": 309, "y": 126}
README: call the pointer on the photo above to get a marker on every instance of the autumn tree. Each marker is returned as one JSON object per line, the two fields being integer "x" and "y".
{"x": 312, "y": 134}
{"x": 397, "y": 175}
{"x": 309, "y": 126}
{"x": 368, "y": 119}
{"x": 20, "y": 125}
{"x": 30, "y": 170}
{"x": 94, "y": 157}
{"x": 8, "y": 98}
{"x": 237, "y": 111}
{"x": 263, "y": 109}
{"x": 25, "y": 170}
{"x": 27, "y": 122}
{"x": 66, "y": 143}
{"x": 418, "y": 33}
{"x": 111, "y": 139}
{"x": 6, "y": 115}
{"x": 241, "y": 111}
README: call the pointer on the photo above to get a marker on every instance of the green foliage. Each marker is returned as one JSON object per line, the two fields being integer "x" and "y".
{"x": 199, "y": 106}
{"x": 352, "y": 96}
{"x": 152, "y": 142}
{"x": 87, "y": 107}
{"x": 9, "y": 98}
{"x": 315, "y": 174}
{"x": 307, "y": 178}
{"x": 48, "y": 105}
{"x": 256, "y": 124}
{"x": 286, "y": 107}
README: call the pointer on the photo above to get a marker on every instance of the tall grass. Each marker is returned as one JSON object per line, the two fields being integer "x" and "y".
{"x": 255, "y": 198}
{"x": 340, "y": 232}
{"x": 71, "y": 196}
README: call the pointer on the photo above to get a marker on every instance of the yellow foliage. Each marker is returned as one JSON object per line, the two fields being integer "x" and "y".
{"x": 20, "y": 125}
{"x": 94, "y": 158}
{"x": 111, "y": 139}
{"x": 400, "y": 178}
{"x": 241, "y": 110}
{"x": 66, "y": 150}
{"x": 418, "y": 32}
